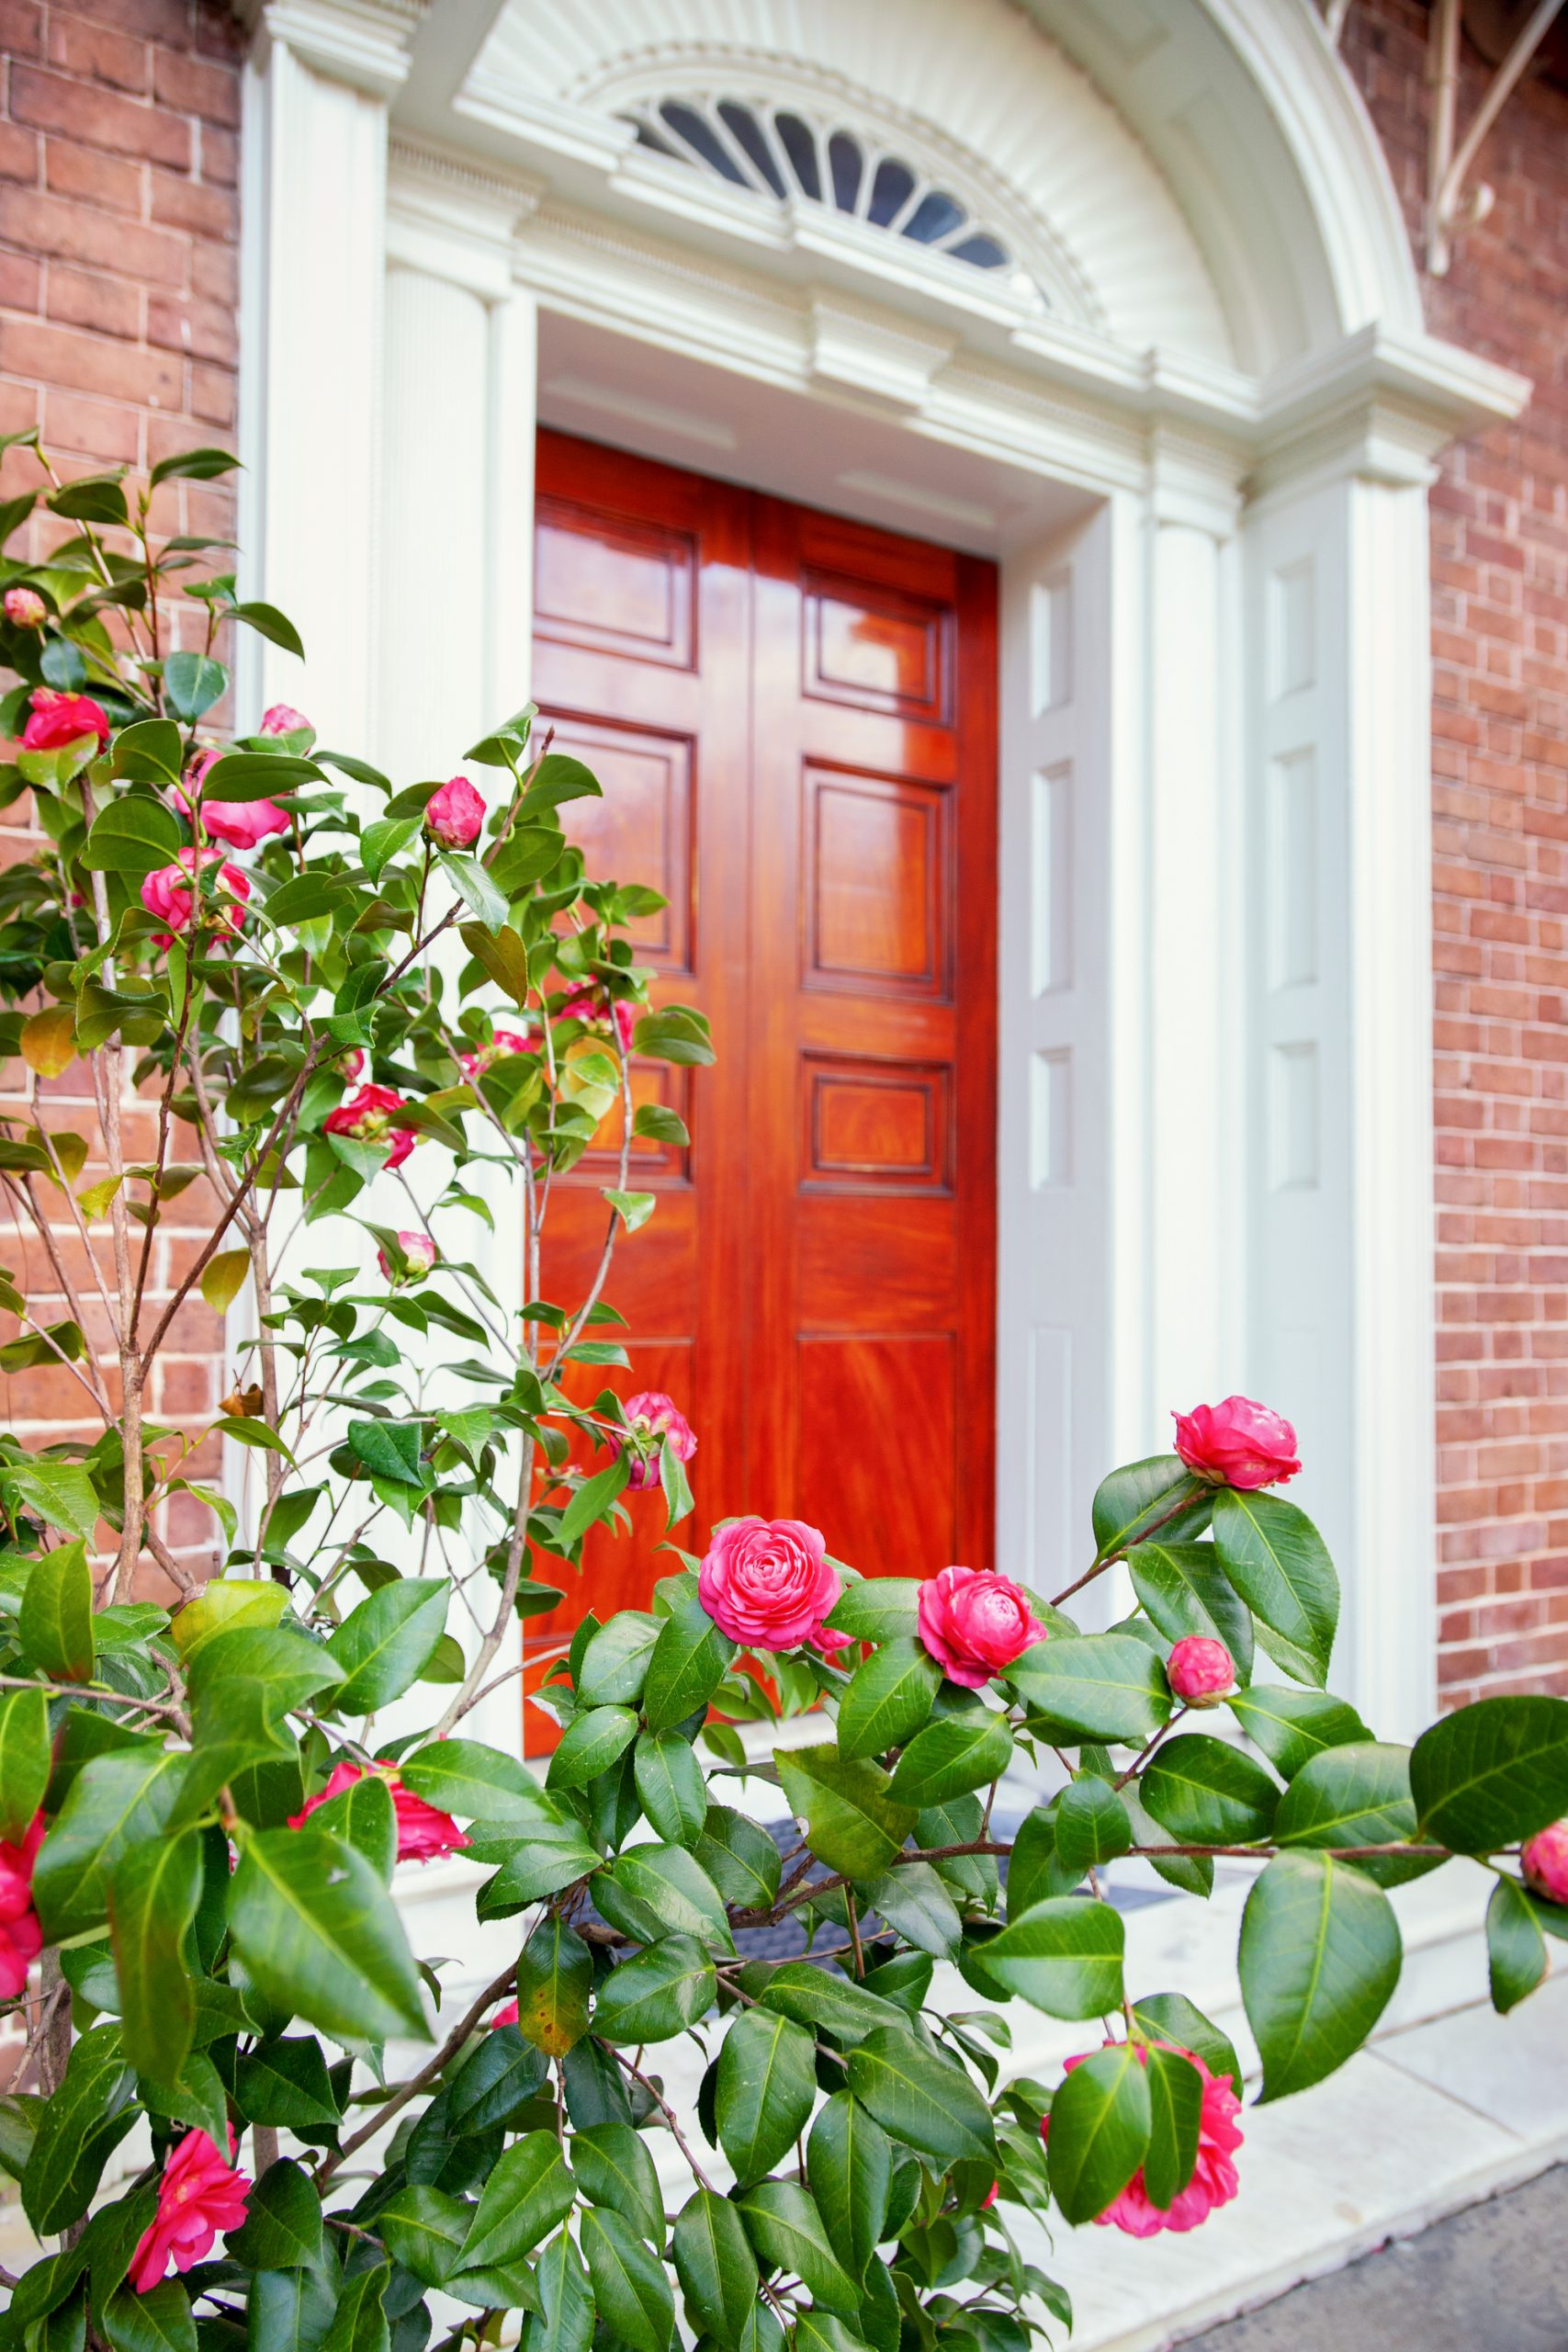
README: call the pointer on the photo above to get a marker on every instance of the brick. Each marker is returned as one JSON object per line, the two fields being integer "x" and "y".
{"x": 197, "y": 86}
{"x": 88, "y": 364}
{"x": 52, "y": 102}
{"x": 72, "y": 169}
{"x": 19, "y": 151}
{"x": 78, "y": 232}
{"x": 183, "y": 204}
{"x": 95, "y": 52}
{"x": 104, "y": 305}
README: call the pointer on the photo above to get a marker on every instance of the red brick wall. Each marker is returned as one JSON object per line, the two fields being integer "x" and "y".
{"x": 119, "y": 266}
{"x": 1500, "y": 885}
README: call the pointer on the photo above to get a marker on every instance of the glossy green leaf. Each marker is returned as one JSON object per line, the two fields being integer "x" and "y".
{"x": 160, "y": 2320}
{"x": 1491, "y": 1773}
{"x": 135, "y": 834}
{"x": 55, "y": 1622}
{"x": 386, "y": 1643}
{"x": 1318, "y": 1959}
{"x": 657, "y": 1993}
{"x": 496, "y": 2080}
{"x": 921, "y": 2097}
{"x": 1206, "y": 1794}
{"x": 60, "y": 1493}
{"x": 614, "y": 1664}
{"x": 1185, "y": 1590}
{"x": 424, "y": 2228}
{"x": 366, "y": 1815}
{"x": 1156, "y": 1496}
{"x": 852, "y": 1823}
{"x": 554, "y": 1853}
{"x": 1171, "y": 2017}
{"x": 1516, "y": 1948}
{"x": 1100, "y": 2123}
{"x": 318, "y": 1932}
{"x": 564, "y": 2321}
{"x": 821, "y": 1997}
{"x": 465, "y": 1778}
{"x": 878, "y": 1609}
{"x": 653, "y": 1891}
{"x": 1291, "y": 1726}
{"x": 115, "y": 1801}
{"x": 590, "y": 1744}
{"x": 283, "y": 2221}
{"x": 848, "y": 2160}
{"x": 1092, "y": 1825}
{"x": 527, "y": 2193}
{"x": 766, "y": 2089}
{"x": 1280, "y": 1566}
{"x": 787, "y": 2232}
{"x": 1103, "y": 1686}
{"x": 1062, "y": 1955}
{"x": 913, "y": 1899}
{"x": 284, "y": 2080}
{"x": 716, "y": 2266}
{"x": 690, "y": 1660}
{"x": 152, "y": 1892}
{"x": 79, "y": 2126}
{"x": 630, "y": 2287}
{"x": 671, "y": 1786}
{"x": 741, "y": 1857}
{"x": 25, "y": 1760}
{"x": 1176, "y": 2107}
{"x": 888, "y": 1698}
{"x": 613, "y": 2168}
{"x": 554, "y": 1975}
{"x": 952, "y": 1757}
{"x": 1354, "y": 1796}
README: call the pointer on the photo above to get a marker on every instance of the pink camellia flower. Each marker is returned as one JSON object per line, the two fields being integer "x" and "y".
{"x": 654, "y": 1415}
{"x": 626, "y": 1016}
{"x": 505, "y": 2015}
{"x": 25, "y": 608}
{"x": 240, "y": 824}
{"x": 21, "y": 1938}
{"x": 199, "y": 2196}
{"x": 503, "y": 1043}
{"x": 59, "y": 718}
{"x": 419, "y": 1253}
{"x": 1200, "y": 1670}
{"x": 766, "y": 1582}
{"x": 370, "y": 1117}
{"x": 828, "y": 1644}
{"x": 1238, "y": 1443}
{"x": 454, "y": 813}
{"x": 578, "y": 1002}
{"x": 170, "y": 892}
{"x": 352, "y": 1063}
{"x": 974, "y": 1622}
{"x": 1544, "y": 1859}
{"x": 281, "y": 720}
{"x": 423, "y": 1830}
{"x": 1213, "y": 2181}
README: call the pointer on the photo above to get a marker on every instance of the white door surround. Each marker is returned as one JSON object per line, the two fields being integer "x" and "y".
{"x": 1198, "y": 440}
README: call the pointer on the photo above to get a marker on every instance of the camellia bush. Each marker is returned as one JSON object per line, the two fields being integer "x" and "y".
{"x": 757, "y": 2079}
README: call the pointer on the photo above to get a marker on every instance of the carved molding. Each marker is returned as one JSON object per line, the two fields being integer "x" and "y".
{"x": 364, "y": 42}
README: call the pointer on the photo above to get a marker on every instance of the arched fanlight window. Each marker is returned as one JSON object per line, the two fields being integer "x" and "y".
{"x": 777, "y": 151}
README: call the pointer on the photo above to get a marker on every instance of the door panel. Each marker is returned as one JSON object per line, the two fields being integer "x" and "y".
{"x": 794, "y": 720}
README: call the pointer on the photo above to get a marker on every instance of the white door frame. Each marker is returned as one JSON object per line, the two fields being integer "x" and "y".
{"x": 1215, "y": 1154}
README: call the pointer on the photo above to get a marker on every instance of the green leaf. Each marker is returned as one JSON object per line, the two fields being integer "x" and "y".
{"x": 115, "y": 1801}
{"x": 318, "y": 1932}
{"x": 55, "y": 1623}
{"x": 465, "y": 1778}
{"x": 151, "y": 750}
{"x": 671, "y": 1786}
{"x": 424, "y": 2228}
{"x": 258, "y": 776}
{"x": 613, "y": 2168}
{"x": 554, "y": 1975}
{"x": 286, "y": 2082}
{"x": 364, "y": 1814}
{"x": 388, "y": 1450}
{"x": 819, "y": 1997}
{"x": 193, "y": 465}
{"x": 1491, "y": 1773}
{"x": 716, "y": 2268}
{"x": 135, "y": 834}
{"x": 78, "y": 2127}
{"x": 565, "y": 2320}
{"x": 953, "y": 1756}
{"x": 675, "y": 1032}
{"x": 630, "y": 2287}
{"x": 1175, "y": 2106}
{"x": 282, "y": 2228}
{"x": 689, "y": 1659}
{"x": 58, "y": 1492}
{"x": 556, "y": 1853}
{"x": 381, "y": 841}
{"x": 1185, "y": 1591}
{"x": 1355, "y": 1795}
{"x": 591, "y": 1743}
{"x": 614, "y": 1664}
{"x": 1035, "y": 1869}
{"x": 852, "y": 1820}
{"x": 1279, "y": 1564}
{"x": 1516, "y": 1948}
{"x": 1319, "y": 1956}
{"x": 1063, "y": 1955}
{"x": 653, "y": 1891}
{"x": 290, "y": 2311}
{"x": 1291, "y": 1726}
{"x": 1092, "y": 1826}
{"x": 878, "y": 1609}
{"x": 268, "y": 622}
{"x": 921, "y": 2098}
{"x": 152, "y": 1895}
{"x": 849, "y": 2162}
{"x": 192, "y": 684}
{"x": 474, "y": 886}
{"x": 359, "y": 2323}
{"x": 786, "y": 2230}
{"x": 1157, "y": 1494}
{"x": 1100, "y": 2123}
{"x": 494, "y": 2083}
{"x": 765, "y": 2089}
{"x": 25, "y": 1760}
{"x": 222, "y": 1279}
{"x": 527, "y": 2193}
{"x": 1171, "y": 2017}
{"x": 660, "y": 1124}
{"x": 1103, "y": 1686}
{"x": 913, "y": 1901}
{"x": 1205, "y": 1793}
{"x": 160, "y": 2320}
{"x": 741, "y": 1857}
{"x": 386, "y": 1643}
{"x": 888, "y": 1698}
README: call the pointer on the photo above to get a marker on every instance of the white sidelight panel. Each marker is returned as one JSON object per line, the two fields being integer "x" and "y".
{"x": 1053, "y": 1356}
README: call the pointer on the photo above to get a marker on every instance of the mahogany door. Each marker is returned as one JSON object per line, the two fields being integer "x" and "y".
{"x": 794, "y": 719}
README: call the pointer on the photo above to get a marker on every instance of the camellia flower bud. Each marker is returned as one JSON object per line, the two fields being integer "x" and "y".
{"x": 1236, "y": 1443}
{"x": 419, "y": 1255}
{"x": 454, "y": 813}
{"x": 282, "y": 721}
{"x": 58, "y": 719}
{"x": 1200, "y": 1670}
{"x": 25, "y": 608}
{"x": 1544, "y": 1858}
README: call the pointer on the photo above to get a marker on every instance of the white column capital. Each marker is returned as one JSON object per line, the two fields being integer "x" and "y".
{"x": 454, "y": 218}
{"x": 363, "y": 42}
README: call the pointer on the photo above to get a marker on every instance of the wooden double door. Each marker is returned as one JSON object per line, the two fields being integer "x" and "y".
{"x": 794, "y": 720}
